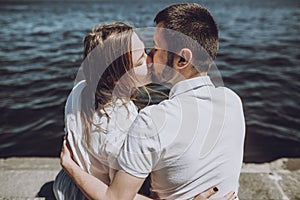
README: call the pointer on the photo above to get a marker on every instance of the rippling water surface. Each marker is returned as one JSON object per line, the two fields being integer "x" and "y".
{"x": 41, "y": 50}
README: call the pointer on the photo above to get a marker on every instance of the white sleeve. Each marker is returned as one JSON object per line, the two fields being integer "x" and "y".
{"x": 141, "y": 149}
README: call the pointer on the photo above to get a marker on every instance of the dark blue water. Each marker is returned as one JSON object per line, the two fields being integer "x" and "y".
{"x": 41, "y": 50}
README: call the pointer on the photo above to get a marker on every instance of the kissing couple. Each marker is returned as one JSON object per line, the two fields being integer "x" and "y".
{"x": 190, "y": 145}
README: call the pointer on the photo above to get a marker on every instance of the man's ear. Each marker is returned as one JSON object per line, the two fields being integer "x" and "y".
{"x": 184, "y": 58}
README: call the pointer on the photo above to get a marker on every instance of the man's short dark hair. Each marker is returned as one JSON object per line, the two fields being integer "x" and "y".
{"x": 196, "y": 23}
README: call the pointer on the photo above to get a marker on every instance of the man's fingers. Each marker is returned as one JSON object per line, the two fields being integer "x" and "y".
{"x": 67, "y": 144}
{"x": 207, "y": 193}
{"x": 64, "y": 144}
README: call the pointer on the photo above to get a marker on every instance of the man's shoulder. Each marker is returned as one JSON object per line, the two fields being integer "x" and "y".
{"x": 156, "y": 109}
{"x": 230, "y": 95}
{"x": 152, "y": 116}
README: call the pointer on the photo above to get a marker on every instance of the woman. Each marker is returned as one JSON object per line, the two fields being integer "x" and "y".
{"x": 99, "y": 110}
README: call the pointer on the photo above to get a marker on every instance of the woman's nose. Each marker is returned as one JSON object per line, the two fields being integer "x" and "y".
{"x": 149, "y": 59}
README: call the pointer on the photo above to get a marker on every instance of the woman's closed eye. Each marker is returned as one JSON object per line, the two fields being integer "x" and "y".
{"x": 139, "y": 63}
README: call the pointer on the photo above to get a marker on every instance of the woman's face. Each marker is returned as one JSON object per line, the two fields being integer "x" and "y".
{"x": 139, "y": 58}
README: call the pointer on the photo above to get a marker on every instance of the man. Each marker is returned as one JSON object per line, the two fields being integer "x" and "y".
{"x": 191, "y": 141}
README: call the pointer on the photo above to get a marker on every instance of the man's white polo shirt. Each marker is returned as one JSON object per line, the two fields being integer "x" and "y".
{"x": 190, "y": 142}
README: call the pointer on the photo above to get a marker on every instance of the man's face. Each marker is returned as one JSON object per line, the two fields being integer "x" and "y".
{"x": 160, "y": 71}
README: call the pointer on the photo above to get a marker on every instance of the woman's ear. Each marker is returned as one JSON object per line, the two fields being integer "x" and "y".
{"x": 184, "y": 58}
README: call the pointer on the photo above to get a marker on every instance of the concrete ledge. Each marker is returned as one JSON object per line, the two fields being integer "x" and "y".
{"x": 32, "y": 178}
{"x": 28, "y": 178}
{"x": 279, "y": 179}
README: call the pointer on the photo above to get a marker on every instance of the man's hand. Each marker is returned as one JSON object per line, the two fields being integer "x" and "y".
{"x": 66, "y": 155}
{"x": 213, "y": 190}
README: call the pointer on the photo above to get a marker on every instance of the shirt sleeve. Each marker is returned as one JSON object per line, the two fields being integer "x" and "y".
{"x": 141, "y": 149}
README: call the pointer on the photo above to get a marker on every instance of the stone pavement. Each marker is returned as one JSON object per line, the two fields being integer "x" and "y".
{"x": 32, "y": 178}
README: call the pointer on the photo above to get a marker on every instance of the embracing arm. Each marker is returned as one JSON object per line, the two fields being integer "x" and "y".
{"x": 124, "y": 186}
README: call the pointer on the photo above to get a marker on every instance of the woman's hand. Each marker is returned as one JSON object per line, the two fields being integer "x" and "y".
{"x": 213, "y": 190}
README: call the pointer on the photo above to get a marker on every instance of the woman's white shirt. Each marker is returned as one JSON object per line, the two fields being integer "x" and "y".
{"x": 98, "y": 156}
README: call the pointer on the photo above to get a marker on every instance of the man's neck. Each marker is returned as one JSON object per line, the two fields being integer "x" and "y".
{"x": 185, "y": 76}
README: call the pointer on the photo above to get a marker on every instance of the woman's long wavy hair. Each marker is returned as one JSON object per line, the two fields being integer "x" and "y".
{"x": 107, "y": 58}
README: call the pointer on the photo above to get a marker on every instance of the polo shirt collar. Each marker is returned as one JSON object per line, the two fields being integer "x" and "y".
{"x": 189, "y": 84}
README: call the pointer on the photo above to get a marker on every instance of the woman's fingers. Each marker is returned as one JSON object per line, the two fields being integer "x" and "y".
{"x": 228, "y": 196}
{"x": 207, "y": 193}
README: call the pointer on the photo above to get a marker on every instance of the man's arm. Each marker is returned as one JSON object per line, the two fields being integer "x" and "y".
{"x": 124, "y": 185}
